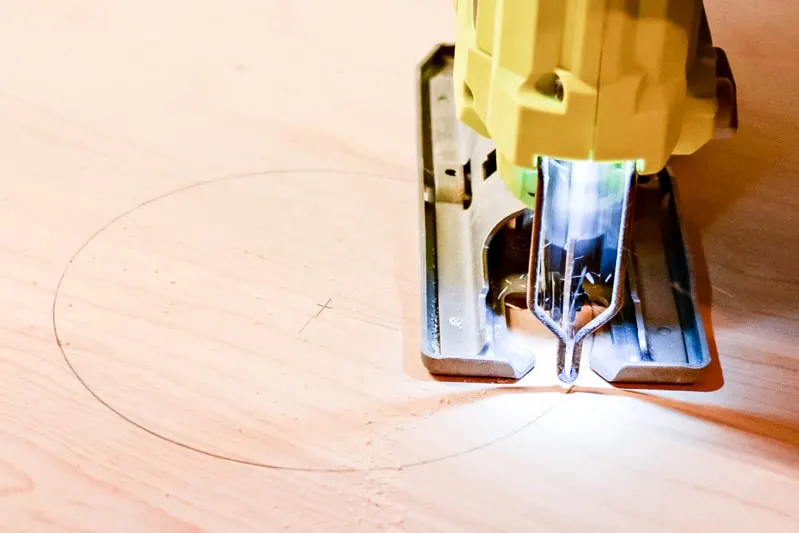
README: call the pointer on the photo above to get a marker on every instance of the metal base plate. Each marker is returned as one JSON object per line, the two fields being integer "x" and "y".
{"x": 464, "y": 204}
{"x": 475, "y": 254}
{"x": 662, "y": 338}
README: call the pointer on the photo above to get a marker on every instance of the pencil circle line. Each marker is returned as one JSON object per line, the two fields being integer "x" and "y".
{"x": 196, "y": 449}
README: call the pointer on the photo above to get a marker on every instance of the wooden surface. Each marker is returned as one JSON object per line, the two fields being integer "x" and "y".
{"x": 240, "y": 355}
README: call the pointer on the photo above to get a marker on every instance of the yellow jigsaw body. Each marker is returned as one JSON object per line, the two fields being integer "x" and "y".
{"x": 594, "y": 80}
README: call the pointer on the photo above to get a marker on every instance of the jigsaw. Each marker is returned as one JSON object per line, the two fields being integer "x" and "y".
{"x": 545, "y": 135}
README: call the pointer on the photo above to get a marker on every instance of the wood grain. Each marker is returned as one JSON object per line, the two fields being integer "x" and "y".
{"x": 224, "y": 196}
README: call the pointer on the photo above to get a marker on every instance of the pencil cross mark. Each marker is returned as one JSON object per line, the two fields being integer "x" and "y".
{"x": 321, "y": 307}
